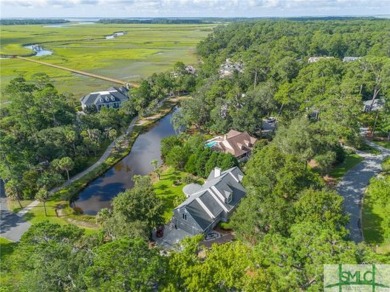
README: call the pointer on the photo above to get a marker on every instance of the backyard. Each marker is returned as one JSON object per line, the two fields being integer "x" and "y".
{"x": 169, "y": 188}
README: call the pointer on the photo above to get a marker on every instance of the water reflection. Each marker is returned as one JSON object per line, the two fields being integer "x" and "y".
{"x": 40, "y": 51}
{"x": 146, "y": 148}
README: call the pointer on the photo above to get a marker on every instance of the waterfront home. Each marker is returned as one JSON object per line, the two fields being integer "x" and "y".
{"x": 110, "y": 98}
{"x": 238, "y": 144}
{"x": 208, "y": 204}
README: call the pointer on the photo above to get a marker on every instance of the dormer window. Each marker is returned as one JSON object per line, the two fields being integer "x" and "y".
{"x": 101, "y": 99}
{"x": 229, "y": 198}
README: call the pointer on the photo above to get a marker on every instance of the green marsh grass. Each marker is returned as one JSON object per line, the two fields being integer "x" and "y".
{"x": 143, "y": 50}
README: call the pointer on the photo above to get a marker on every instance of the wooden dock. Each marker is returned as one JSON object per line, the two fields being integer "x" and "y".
{"x": 113, "y": 80}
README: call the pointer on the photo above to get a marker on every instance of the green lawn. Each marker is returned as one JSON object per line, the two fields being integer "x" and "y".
{"x": 14, "y": 206}
{"x": 37, "y": 214}
{"x": 350, "y": 161}
{"x": 373, "y": 227}
{"x": 6, "y": 248}
{"x": 143, "y": 50}
{"x": 170, "y": 189}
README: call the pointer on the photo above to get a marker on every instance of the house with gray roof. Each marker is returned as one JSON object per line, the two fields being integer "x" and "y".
{"x": 211, "y": 203}
{"x": 110, "y": 98}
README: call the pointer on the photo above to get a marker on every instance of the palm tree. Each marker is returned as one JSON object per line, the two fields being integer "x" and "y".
{"x": 42, "y": 196}
{"x": 12, "y": 190}
{"x": 66, "y": 164}
{"x": 157, "y": 170}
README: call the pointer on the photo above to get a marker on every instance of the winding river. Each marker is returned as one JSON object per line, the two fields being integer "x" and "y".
{"x": 40, "y": 51}
{"x": 99, "y": 193}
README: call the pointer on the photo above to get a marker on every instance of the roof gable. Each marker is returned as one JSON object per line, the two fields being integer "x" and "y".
{"x": 113, "y": 94}
{"x": 236, "y": 143}
{"x": 199, "y": 214}
{"x": 206, "y": 205}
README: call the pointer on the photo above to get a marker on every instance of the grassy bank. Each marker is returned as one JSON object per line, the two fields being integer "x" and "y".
{"x": 143, "y": 50}
{"x": 122, "y": 149}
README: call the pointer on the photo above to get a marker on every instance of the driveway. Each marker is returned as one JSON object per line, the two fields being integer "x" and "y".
{"x": 353, "y": 185}
{"x": 12, "y": 226}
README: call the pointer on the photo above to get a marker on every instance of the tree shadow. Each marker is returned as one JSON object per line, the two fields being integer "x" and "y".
{"x": 7, "y": 248}
{"x": 162, "y": 187}
{"x": 372, "y": 225}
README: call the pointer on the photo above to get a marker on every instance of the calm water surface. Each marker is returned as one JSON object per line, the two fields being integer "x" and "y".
{"x": 40, "y": 51}
{"x": 102, "y": 190}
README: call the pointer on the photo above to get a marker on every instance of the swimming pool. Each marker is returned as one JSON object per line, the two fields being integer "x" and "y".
{"x": 211, "y": 144}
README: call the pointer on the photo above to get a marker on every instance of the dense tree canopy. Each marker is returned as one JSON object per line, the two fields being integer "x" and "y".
{"x": 191, "y": 154}
{"x": 43, "y": 139}
{"x": 289, "y": 224}
{"x": 134, "y": 213}
{"x": 277, "y": 79}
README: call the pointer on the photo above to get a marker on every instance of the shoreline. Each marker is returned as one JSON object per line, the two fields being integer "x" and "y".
{"x": 68, "y": 191}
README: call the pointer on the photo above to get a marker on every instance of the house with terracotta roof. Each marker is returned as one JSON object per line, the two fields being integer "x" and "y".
{"x": 208, "y": 204}
{"x": 238, "y": 144}
{"x": 110, "y": 98}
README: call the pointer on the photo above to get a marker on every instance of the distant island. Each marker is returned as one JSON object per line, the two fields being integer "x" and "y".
{"x": 20, "y": 21}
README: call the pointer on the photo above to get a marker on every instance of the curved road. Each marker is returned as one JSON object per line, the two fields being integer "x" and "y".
{"x": 13, "y": 226}
{"x": 353, "y": 185}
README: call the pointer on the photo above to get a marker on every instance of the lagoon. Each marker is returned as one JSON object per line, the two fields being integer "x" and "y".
{"x": 100, "y": 192}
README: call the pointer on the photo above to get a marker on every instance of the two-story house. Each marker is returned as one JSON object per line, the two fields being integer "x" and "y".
{"x": 110, "y": 98}
{"x": 210, "y": 203}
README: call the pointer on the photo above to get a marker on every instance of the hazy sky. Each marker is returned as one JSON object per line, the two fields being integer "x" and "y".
{"x": 191, "y": 8}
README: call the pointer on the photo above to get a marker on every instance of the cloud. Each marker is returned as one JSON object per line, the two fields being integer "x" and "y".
{"x": 206, "y": 7}
{"x": 197, "y": 3}
{"x": 47, "y": 3}
{"x": 302, "y": 4}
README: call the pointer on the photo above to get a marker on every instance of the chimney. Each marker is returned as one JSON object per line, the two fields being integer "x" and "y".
{"x": 217, "y": 172}
{"x": 225, "y": 137}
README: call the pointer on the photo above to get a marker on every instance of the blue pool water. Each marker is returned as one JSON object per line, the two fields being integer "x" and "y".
{"x": 211, "y": 144}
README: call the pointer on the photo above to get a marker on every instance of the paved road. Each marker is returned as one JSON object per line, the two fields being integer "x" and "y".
{"x": 99, "y": 162}
{"x": 13, "y": 226}
{"x": 353, "y": 185}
